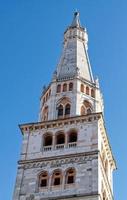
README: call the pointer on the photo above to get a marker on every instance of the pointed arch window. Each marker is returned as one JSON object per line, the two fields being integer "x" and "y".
{"x": 83, "y": 110}
{"x": 64, "y": 87}
{"x": 70, "y": 86}
{"x": 60, "y": 111}
{"x": 67, "y": 109}
{"x": 43, "y": 180}
{"x": 89, "y": 111}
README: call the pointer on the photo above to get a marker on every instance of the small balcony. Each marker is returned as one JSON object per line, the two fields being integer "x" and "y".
{"x": 60, "y": 146}
{"x": 72, "y": 144}
{"x": 47, "y": 148}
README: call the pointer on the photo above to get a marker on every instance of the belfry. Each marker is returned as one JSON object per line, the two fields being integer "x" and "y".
{"x": 66, "y": 154}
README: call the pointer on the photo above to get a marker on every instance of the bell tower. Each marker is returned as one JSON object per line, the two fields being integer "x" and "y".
{"x": 66, "y": 154}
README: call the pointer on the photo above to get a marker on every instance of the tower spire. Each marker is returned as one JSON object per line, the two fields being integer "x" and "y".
{"x": 74, "y": 60}
{"x": 76, "y": 20}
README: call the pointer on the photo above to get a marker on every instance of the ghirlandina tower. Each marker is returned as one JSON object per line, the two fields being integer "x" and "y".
{"x": 66, "y": 155}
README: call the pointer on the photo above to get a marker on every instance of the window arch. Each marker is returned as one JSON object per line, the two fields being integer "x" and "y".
{"x": 70, "y": 176}
{"x": 60, "y": 111}
{"x": 45, "y": 113}
{"x": 83, "y": 110}
{"x": 57, "y": 178}
{"x": 43, "y": 179}
{"x": 47, "y": 140}
{"x": 70, "y": 86}
{"x": 87, "y": 90}
{"x": 72, "y": 137}
{"x": 67, "y": 109}
{"x": 82, "y": 88}
{"x": 64, "y": 87}
{"x": 49, "y": 92}
{"x": 47, "y": 96}
{"x": 89, "y": 111}
{"x": 93, "y": 93}
{"x": 60, "y": 138}
{"x": 58, "y": 88}
{"x": 43, "y": 100}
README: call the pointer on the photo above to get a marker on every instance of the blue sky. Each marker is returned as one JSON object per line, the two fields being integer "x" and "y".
{"x": 31, "y": 35}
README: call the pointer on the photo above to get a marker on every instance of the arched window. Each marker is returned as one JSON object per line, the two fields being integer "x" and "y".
{"x": 47, "y": 140}
{"x": 89, "y": 111}
{"x": 82, "y": 88}
{"x": 49, "y": 92}
{"x": 43, "y": 180}
{"x": 83, "y": 110}
{"x": 70, "y": 176}
{"x": 58, "y": 88}
{"x": 72, "y": 136}
{"x": 67, "y": 109}
{"x": 57, "y": 178}
{"x": 87, "y": 90}
{"x": 60, "y": 138}
{"x": 64, "y": 87}
{"x": 93, "y": 93}
{"x": 60, "y": 111}
{"x": 70, "y": 86}
{"x": 47, "y": 96}
{"x": 43, "y": 100}
{"x": 45, "y": 113}
{"x": 106, "y": 167}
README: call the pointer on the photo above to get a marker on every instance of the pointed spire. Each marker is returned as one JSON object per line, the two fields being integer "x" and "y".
{"x": 76, "y": 20}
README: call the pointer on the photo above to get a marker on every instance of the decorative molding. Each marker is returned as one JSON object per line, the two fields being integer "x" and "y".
{"x": 57, "y": 162}
{"x": 32, "y": 127}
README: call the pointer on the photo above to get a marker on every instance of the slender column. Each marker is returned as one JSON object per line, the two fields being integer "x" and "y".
{"x": 53, "y": 142}
{"x": 66, "y": 140}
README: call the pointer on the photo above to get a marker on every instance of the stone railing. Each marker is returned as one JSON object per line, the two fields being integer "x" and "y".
{"x": 47, "y": 148}
{"x": 72, "y": 144}
{"x": 60, "y": 146}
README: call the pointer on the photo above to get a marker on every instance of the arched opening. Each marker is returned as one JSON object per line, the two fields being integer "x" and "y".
{"x": 49, "y": 92}
{"x": 72, "y": 136}
{"x": 70, "y": 176}
{"x": 60, "y": 111}
{"x": 64, "y": 87}
{"x": 93, "y": 93}
{"x": 83, "y": 110}
{"x": 57, "y": 178}
{"x": 58, "y": 88}
{"x": 60, "y": 138}
{"x": 43, "y": 180}
{"x": 47, "y": 96}
{"x": 45, "y": 113}
{"x": 70, "y": 86}
{"x": 88, "y": 107}
{"x": 89, "y": 111}
{"x": 67, "y": 109}
{"x": 47, "y": 140}
{"x": 82, "y": 88}
{"x": 106, "y": 167}
{"x": 43, "y": 100}
{"x": 87, "y": 90}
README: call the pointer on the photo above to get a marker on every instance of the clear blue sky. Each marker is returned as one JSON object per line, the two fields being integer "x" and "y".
{"x": 31, "y": 35}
